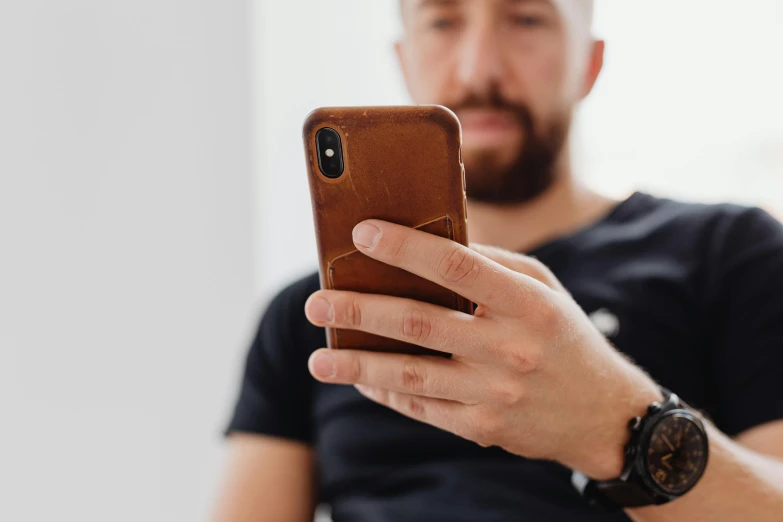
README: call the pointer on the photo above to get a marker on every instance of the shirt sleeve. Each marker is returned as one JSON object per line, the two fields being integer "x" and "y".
{"x": 276, "y": 391}
{"x": 747, "y": 323}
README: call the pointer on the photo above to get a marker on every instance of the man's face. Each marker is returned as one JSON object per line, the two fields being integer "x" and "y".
{"x": 505, "y": 67}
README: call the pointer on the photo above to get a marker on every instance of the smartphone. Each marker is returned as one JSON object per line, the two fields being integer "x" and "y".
{"x": 398, "y": 164}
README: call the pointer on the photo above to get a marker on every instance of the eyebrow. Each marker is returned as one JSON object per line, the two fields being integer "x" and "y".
{"x": 545, "y": 2}
{"x": 428, "y": 3}
{"x": 435, "y": 3}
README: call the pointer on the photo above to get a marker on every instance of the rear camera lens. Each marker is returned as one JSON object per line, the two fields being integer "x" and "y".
{"x": 330, "y": 152}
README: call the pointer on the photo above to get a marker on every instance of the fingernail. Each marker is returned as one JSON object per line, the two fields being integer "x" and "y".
{"x": 364, "y": 390}
{"x": 321, "y": 310}
{"x": 366, "y": 235}
{"x": 322, "y": 365}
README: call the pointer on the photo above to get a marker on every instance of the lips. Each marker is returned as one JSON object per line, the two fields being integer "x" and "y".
{"x": 486, "y": 120}
{"x": 488, "y": 128}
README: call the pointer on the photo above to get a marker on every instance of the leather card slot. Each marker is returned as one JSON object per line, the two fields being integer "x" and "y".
{"x": 357, "y": 272}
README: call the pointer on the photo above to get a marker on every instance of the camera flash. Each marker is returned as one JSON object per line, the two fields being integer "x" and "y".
{"x": 329, "y": 153}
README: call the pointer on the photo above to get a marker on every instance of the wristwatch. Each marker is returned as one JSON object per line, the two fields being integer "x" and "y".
{"x": 664, "y": 459}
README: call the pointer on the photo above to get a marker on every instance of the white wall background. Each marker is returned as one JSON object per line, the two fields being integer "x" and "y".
{"x": 143, "y": 222}
{"x": 691, "y": 102}
{"x": 126, "y": 231}
{"x": 292, "y": 81}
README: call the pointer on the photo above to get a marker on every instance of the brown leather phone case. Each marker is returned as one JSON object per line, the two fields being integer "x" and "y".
{"x": 403, "y": 165}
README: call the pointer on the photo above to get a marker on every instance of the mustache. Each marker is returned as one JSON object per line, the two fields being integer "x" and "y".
{"x": 496, "y": 101}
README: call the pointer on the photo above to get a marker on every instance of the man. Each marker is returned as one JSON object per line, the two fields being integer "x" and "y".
{"x": 537, "y": 416}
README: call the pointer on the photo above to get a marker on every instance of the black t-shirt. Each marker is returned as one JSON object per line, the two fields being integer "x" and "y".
{"x": 692, "y": 293}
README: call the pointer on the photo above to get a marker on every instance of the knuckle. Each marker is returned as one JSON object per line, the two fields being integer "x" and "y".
{"x": 524, "y": 361}
{"x": 458, "y": 265}
{"x": 355, "y": 369}
{"x": 412, "y": 377}
{"x": 399, "y": 249}
{"x": 416, "y": 326}
{"x": 352, "y": 313}
{"x": 507, "y": 393}
{"x": 407, "y": 404}
{"x": 415, "y": 407}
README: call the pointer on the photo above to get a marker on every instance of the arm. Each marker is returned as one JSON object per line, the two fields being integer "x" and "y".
{"x": 743, "y": 481}
{"x": 270, "y": 470}
{"x": 744, "y": 476}
{"x": 532, "y": 375}
{"x": 266, "y": 480}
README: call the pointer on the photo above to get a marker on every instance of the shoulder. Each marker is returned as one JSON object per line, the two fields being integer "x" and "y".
{"x": 646, "y": 206}
{"x": 715, "y": 226}
{"x": 731, "y": 249}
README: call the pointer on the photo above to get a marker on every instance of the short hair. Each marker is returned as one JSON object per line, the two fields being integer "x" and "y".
{"x": 587, "y": 8}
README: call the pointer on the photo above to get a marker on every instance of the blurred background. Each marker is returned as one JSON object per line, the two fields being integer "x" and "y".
{"x": 153, "y": 197}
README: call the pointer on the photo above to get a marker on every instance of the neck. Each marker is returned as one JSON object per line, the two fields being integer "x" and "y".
{"x": 562, "y": 209}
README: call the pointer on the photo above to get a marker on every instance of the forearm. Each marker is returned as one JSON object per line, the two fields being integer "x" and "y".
{"x": 267, "y": 479}
{"x": 738, "y": 484}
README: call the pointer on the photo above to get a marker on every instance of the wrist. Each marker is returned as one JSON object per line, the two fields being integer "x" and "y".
{"x": 604, "y": 456}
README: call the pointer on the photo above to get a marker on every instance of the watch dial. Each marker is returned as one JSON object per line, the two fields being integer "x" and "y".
{"x": 677, "y": 453}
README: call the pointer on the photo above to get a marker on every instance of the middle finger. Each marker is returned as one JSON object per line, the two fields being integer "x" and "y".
{"x": 407, "y": 320}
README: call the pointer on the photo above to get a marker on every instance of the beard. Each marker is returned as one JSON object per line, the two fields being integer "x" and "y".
{"x": 533, "y": 170}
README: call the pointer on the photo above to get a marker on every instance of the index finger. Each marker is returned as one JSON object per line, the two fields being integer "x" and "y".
{"x": 446, "y": 263}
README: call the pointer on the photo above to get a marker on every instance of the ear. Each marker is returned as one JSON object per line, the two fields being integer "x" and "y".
{"x": 594, "y": 67}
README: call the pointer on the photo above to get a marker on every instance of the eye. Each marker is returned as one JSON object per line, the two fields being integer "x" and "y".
{"x": 442, "y": 24}
{"x": 526, "y": 20}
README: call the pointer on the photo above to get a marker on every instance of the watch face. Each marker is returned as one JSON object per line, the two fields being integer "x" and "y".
{"x": 676, "y": 453}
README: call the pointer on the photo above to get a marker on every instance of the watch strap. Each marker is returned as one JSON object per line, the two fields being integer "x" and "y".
{"x": 612, "y": 495}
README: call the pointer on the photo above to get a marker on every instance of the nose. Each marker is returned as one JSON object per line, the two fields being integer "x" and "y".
{"x": 481, "y": 61}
